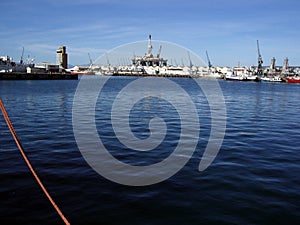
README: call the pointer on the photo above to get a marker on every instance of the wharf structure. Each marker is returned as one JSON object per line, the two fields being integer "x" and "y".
{"x": 10, "y": 70}
{"x": 154, "y": 65}
{"x": 272, "y": 73}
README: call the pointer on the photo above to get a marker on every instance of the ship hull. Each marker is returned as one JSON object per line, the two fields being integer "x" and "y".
{"x": 293, "y": 80}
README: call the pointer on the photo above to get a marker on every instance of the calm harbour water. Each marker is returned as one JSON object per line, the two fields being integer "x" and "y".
{"x": 253, "y": 180}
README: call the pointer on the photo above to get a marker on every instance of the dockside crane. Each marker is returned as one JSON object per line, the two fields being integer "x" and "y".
{"x": 259, "y": 61}
{"x": 208, "y": 62}
{"x": 190, "y": 61}
{"x": 159, "y": 51}
{"x": 21, "y": 59}
{"x": 107, "y": 59}
{"x": 91, "y": 61}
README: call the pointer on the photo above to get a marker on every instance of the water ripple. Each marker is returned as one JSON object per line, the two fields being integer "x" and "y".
{"x": 253, "y": 180}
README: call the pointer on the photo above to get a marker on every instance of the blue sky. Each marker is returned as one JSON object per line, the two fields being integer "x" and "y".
{"x": 228, "y": 30}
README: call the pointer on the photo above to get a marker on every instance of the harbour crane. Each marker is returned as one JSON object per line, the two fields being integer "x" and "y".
{"x": 107, "y": 60}
{"x": 208, "y": 61}
{"x": 260, "y": 61}
{"x": 182, "y": 63}
{"x": 159, "y": 51}
{"x": 91, "y": 61}
{"x": 21, "y": 60}
{"x": 191, "y": 63}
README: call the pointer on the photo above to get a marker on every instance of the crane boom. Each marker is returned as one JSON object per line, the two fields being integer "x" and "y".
{"x": 259, "y": 61}
{"x": 21, "y": 60}
{"x": 259, "y": 55}
{"x": 107, "y": 60}
{"x": 208, "y": 60}
{"x": 91, "y": 61}
{"x": 159, "y": 51}
{"x": 191, "y": 63}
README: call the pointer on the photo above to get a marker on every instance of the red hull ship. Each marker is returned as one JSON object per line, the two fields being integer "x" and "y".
{"x": 293, "y": 79}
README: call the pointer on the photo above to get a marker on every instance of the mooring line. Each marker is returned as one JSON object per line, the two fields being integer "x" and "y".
{"x": 14, "y": 134}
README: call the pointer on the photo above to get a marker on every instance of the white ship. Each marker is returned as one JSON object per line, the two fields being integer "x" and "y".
{"x": 272, "y": 79}
{"x": 245, "y": 75}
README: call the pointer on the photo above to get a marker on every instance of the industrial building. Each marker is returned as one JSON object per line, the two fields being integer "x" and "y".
{"x": 62, "y": 57}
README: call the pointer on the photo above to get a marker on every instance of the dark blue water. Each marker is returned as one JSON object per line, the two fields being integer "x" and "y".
{"x": 253, "y": 180}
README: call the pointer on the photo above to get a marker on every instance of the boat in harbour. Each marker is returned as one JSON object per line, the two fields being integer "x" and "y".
{"x": 8, "y": 65}
{"x": 80, "y": 70}
{"x": 272, "y": 79}
{"x": 295, "y": 79}
{"x": 230, "y": 75}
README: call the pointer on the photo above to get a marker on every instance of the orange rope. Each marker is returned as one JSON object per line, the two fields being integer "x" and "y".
{"x": 10, "y": 126}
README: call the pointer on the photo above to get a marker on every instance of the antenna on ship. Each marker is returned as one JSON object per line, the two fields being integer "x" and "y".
{"x": 260, "y": 61}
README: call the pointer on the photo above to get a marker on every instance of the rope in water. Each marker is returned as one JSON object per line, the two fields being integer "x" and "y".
{"x": 12, "y": 130}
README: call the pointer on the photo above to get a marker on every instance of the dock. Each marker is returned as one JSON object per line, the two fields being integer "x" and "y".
{"x": 136, "y": 74}
{"x": 37, "y": 76}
